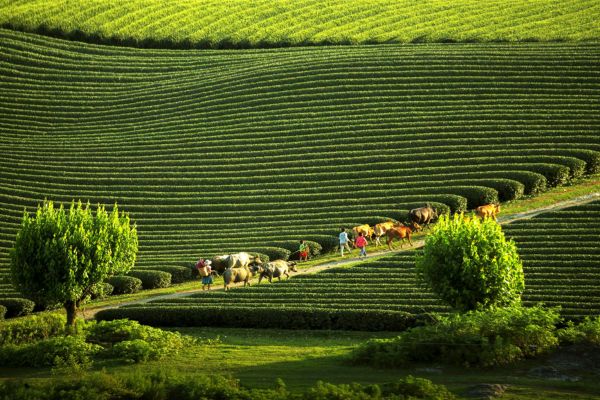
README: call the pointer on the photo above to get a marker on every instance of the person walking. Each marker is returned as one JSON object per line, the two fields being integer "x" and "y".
{"x": 303, "y": 251}
{"x": 344, "y": 241}
{"x": 361, "y": 243}
{"x": 205, "y": 272}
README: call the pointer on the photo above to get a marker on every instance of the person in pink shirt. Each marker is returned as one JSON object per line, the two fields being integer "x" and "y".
{"x": 361, "y": 243}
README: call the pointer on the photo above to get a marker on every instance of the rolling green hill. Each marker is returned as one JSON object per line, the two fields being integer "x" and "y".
{"x": 267, "y": 23}
{"x": 220, "y": 151}
{"x": 561, "y": 262}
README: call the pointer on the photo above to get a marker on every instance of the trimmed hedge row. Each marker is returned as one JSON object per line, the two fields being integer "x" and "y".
{"x": 125, "y": 284}
{"x": 272, "y": 317}
{"x": 178, "y": 274}
{"x": 17, "y": 307}
{"x": 152, "y": 279}
{"x": 3, "y": 311}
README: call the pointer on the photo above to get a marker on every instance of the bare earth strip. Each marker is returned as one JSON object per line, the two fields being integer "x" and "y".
{"x": 90, "y": 313}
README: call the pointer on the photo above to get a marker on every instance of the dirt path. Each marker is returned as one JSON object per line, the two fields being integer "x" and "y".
{"x": 89, "y": 313}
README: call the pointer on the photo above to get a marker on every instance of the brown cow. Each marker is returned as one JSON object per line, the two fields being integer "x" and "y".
{"x": 366, "y": 230}
{"x": 423, "y": 215}
{"x": 237, "y": 275}
{"x": 488, "y": 210}
{"x": 381, "y": 228}
{"x": 398, "y": 232}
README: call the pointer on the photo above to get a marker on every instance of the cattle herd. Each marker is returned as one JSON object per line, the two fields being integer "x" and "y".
{"x": 240, "y": 267}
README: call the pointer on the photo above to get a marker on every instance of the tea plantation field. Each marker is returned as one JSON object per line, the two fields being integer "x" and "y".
{"x": 561, "y": 261}
{"x": 264, "y": 23}
{"x": 219, "y": 151}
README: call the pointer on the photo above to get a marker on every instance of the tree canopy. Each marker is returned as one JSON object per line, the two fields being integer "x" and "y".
{"x": 469, "y": 263}
{"x": 60, "y": 255}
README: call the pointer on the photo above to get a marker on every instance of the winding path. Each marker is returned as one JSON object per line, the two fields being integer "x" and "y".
{"x": 89, "y": 313}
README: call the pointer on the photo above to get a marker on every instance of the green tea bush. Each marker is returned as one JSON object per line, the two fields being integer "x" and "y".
{"x": 17, "y": 307}
{"x": 167, "y": 386}
{"x": 477, "y": 338}
{"x": 32, "y": 328}
{"x": 178, "y": 274}
{"x": 101, "y": 290}
{"x": 49, "y": 352}
{"x": 152, "y": 279}
{"x": 270, "y": 317}
{"x": 123, "y": 284}
{"x": 586, "y": 332}
{"x": 274, "y": 253}
{"x": 133, "y": 342}
{"x": 470, "y": 264}
{"x": 2, "y": 312}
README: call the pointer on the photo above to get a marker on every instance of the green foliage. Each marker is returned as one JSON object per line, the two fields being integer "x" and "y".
{"x": 133, "y": 342}
{"x": 55, "y": 351}
{"x": 476, "y": 338}
{"x": 32, "y": 328}
{"x": 274, "y": 253}
{"x": 123, "y": 284}
{"x": 152, "y": 279}
{"x": 59, "y": 256}
{"x": 2, "y": 312}
{"x": 271, "y": 317}
{"x": 470, "y": 264}
{"x": 17, "y": 307}
{"x": 246, "y": 24}
{"x": 178, "y": 274}
{"x": 586, "y": 332}
{"x": 167, "y": 386}
{"x": 101, "y": 290}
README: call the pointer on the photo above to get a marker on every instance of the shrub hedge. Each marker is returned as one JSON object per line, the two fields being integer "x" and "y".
{"x": 273, "y": 253}
{"x": 2, "y": 312}
{"x": 125, "y": 284}
{"x": 17, "y": 307}
{"x": 178, "y": 274}
{"x": 271, "y": 317}
{"x": 152, "y": 279}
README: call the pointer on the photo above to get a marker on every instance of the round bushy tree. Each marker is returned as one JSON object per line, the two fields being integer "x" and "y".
{"x": 60, "y": 256}
{"x": 469, "y": 263}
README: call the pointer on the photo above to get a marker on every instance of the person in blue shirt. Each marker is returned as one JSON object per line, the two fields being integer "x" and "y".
{"x": 344, "y": 241}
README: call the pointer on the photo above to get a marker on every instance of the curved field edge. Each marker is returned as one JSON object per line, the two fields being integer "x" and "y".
{"x": 247, "y": 24}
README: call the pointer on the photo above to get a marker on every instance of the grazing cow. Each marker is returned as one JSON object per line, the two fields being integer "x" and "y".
{"x": 423, "y": 215}
{"x": 242, "y": 260}
{"x": 398, "y": 232}
{"x": 380, "y": 229}
{"x": 276, "y": 269}
{"x": 488, "y": 210}
{"x": 366, "y": 230}
{"x": 220, "y": 263}
{"x": 237, "y": 275}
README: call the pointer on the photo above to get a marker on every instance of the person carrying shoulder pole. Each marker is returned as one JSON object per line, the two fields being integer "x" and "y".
{"x": 344, "y": 241}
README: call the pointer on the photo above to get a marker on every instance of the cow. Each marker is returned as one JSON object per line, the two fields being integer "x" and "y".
{"x": 423, "y": 215}
{"x": 275, "y": 269}
{"x": 488, "y": 210}
{"x": 398, "y": 232}
{"x": 242, "y": 260}
{"x": 366, "y": 230}
{"x": 234, "y": 275}
{"x": 220, "y": 263}
{"x": 380, "y": 229}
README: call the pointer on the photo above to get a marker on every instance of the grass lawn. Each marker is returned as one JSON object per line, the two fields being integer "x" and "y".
{"x": 258, "y": 357}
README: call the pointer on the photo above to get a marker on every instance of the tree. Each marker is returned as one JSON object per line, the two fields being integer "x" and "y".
{"x": 59, "y": 257}
{"x": 470, "y": 264}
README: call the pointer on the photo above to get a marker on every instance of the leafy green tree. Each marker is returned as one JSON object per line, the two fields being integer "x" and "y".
{"x": 60, "y": 256}
{"x": 469, "y": 263}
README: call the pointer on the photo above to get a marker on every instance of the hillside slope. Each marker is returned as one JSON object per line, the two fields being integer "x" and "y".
{"x": 267, "y": 23}
{"x": 219, "y": 151}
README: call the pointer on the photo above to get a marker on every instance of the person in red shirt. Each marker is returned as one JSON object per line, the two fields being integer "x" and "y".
{"x": 361, "y": 243}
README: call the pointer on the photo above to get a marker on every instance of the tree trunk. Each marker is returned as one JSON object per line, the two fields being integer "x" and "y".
{"x": 71, "y": 308}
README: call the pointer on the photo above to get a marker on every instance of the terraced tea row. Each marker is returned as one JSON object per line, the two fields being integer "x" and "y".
{"x": 245, "y": 23}
{"x": 220, "y": 151}
{"x": 561, "y": 261}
